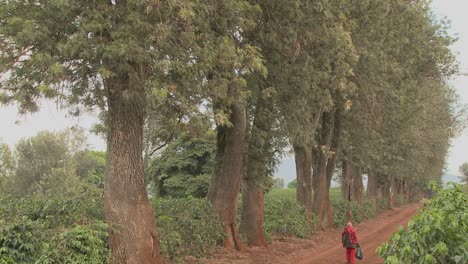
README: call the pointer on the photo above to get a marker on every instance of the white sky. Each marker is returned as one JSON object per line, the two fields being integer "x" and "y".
{"x": 14, "y": 127}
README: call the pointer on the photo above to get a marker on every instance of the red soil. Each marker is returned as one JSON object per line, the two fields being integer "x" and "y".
{"x": 324, "y": 247}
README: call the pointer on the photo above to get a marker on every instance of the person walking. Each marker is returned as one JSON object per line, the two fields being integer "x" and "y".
{"x": 349, "y": 241}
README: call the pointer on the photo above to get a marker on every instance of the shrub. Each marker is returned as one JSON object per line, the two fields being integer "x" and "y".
{"x": 284, "y": 216}
{"x": 55, "y": 211}
{"x": 79, "y": 244}
{"x": 369, "y": 209}
{"x": 58, "y": 230}
{"x": 437, "y": 234}
{"x": 187, "y": 226}
{"x": 20, "y": 241}
{"x": 360, "y": 212}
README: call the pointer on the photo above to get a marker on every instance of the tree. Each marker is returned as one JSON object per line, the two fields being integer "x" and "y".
{"x": 38, "y": 156}
{"x": 278, "y": 183}
{"x": 90, "y": 166}
{"x": 185, "y": 167}
{"x": 7, "y": 166}
{"x": 292, "y": 184}
{"x": 400, "y": 121}
{"x": 464, "y": 172}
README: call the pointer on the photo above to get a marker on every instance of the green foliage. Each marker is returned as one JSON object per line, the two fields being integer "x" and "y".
{"x": 184, "y": 168}
{"x": 292, "y": 184}
{"x": 63, "y": 229}
{"x": 335, "y": 194}
{"x": 359, "y": 212}
{"x": 284, "y": 216}
{"x": 7, "y": 165}
{"x": 187, "y": 226}
{"x": 20, "y": 241}
{"x": 45, "y": 163}
{"x": 464, "y": 172}
{"x": 278, "y": 183}
{"x": 402, "y": 114}
{"x": 437, "y": 234}
{"x": 37, "y": 157}
{"x": 90, "y": 165}
{"x": 54, "y": 211}
{"x": 80, "y": 244}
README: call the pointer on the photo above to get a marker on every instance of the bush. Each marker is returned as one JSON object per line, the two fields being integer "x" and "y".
{"x": 79, "y": 244}
{"x": 20, "y": 241}
{"x": 284, "y": 216}
{"x": 58, "y": 230}
{"x": 437, "y": 234}
{"x": 55, "y": 211}
{"x": 187, "y": 226}
{"x": 360, "y": 212}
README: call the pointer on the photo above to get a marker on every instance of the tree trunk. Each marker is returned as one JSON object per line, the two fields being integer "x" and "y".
{"x": 371, "y": 185}
{"x": 252, "y": 219}
{"x": 357, "y": 186}
{"x": 385, "y": 189}
{"x": 330, "y": 138}
{"x": 331, "y": 165}
{"x": 303, "y": 158}
{"x": 320, "y": 189}
{"x": 393, "y": 192}
{"x": 132, "y": 236}
{"x": 347, "y": 180}
{"x": 225, "y": 184}
{"x": 328, "y": 205}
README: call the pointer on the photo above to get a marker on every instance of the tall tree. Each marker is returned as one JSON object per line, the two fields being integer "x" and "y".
{"x": 231, "y": 59}
{"x": 464, "y": 172}
{"x": 7, "y": 166}
{"x": 37, "y": 157}
{"x": 103, "y": 55}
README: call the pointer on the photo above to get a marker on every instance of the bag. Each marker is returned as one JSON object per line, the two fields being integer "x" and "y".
{"x": 358, "y": 253}
{"x": 346, "y": 241}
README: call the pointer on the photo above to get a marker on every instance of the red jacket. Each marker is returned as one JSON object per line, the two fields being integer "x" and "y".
{"x": 352, "y": 234}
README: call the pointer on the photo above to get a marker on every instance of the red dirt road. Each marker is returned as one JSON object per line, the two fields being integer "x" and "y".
{"x": 371, "y": 235}
{"x": 324, "y": 247}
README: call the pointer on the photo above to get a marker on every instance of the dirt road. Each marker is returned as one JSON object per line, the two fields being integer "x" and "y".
{"x": 371, "y": 235}
{"x": 324, "y": 247}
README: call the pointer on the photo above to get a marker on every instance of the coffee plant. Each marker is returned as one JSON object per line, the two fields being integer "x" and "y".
{"x": 437, "y": 234}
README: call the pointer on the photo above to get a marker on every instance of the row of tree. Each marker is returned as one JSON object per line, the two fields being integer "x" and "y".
{"x": 357, "y": 83}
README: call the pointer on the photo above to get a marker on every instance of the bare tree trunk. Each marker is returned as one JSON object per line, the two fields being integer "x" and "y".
{"x": 385, "y": 189}
{"x": 347, "y": 180}
{"x": 330, "y": 138}
{"x": 225, "y": 185}
{"x": 303, "y": 157}
{"x": 320, "y": 190}
{"x": 393, "y": 192}
{"x": 358, "y": 186}
{"x": 331, "y": 165}
{"x": 328, "y": 205}
{"x": 252, "y": 219}
{"x": 371, "y": 185}
{"x": 132, "y": 236}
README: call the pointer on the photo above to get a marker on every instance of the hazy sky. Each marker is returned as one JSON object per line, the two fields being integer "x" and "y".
{"x": 14, "y": 127}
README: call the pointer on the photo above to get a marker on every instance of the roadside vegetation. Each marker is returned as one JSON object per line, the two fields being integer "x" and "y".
{"x": 437, "y": 234}
{"x": 199, "y": 101}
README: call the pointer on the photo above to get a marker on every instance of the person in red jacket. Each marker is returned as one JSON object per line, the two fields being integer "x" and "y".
{"x": 350, "y": 241}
